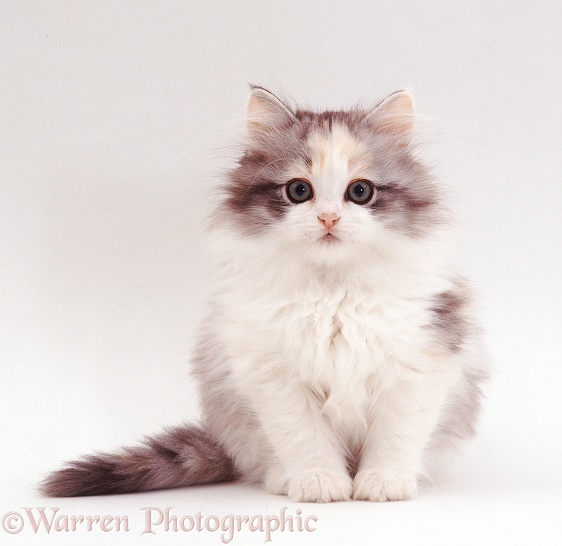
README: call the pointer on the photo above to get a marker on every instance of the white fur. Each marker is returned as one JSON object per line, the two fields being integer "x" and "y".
{"x": 324, "y": 347}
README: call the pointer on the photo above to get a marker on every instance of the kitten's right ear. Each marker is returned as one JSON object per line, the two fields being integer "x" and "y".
{"x": 394, "y": 115}
{"x": 266, "y": 112}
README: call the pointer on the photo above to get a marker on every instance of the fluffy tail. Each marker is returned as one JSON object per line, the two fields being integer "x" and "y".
{"x": 180, "y": 456}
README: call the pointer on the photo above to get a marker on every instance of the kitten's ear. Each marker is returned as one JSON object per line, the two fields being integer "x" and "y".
{"x": 394, "y": 115}
{"x": 266, "y": 112}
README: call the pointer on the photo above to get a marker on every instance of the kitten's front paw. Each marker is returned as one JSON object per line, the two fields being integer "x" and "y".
{"x": 320, "y": 485}
{"x": 384, "y": 485}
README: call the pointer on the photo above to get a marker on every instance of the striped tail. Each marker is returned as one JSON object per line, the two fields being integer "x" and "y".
{"x": 178, "y": 457}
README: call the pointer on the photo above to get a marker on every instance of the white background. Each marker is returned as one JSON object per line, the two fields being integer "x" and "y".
{"x": 115, "y": 121}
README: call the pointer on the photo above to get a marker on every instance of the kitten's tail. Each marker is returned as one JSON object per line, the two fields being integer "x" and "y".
{"x": 180, "y": 456}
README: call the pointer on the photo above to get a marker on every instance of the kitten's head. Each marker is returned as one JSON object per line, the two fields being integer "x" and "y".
{"x": 332, "y": 183}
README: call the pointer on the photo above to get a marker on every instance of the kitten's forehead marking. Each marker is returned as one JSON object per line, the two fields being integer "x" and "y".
{"x": 337, "y": 157}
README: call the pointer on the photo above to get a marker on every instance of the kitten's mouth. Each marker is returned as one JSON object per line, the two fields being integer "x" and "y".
{"x": 329, "y": 238}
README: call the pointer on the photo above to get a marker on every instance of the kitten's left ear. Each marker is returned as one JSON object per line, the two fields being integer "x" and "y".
{"x": 266, "y": 112}
{"x": 394, "y": 115}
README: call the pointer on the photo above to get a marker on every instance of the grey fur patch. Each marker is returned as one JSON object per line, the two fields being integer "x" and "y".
{"x": 450, "y": 319}
{"x": 255, "y": 191}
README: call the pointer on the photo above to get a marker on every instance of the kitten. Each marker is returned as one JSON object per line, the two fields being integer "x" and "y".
{"x": 338, "y": 351}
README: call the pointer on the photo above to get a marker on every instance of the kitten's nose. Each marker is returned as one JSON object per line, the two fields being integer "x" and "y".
{"x": 328, "y": 219}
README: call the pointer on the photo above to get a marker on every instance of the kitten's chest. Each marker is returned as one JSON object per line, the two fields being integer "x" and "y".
{"x": 346, "y": 344}
{"x": 324, "y": 331}
{"x": 348, "y": 347}
{"x": 343, "y": 333}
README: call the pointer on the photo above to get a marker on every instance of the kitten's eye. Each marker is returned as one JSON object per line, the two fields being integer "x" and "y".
{"x": 299, "y": 191}
{"x": 360, "y": 191}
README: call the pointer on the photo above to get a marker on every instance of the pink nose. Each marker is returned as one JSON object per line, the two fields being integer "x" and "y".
{"x": 328, "y": 219}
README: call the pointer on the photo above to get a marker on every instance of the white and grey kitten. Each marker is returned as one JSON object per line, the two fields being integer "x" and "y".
{"x": 338, "y": 350}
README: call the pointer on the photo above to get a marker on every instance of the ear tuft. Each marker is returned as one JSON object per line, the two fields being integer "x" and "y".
{"x": 394, "y": 115}
{"x": 266, "y": 112}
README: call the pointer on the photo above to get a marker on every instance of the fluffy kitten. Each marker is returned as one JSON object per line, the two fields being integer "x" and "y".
{"x": 338, "y": 349}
